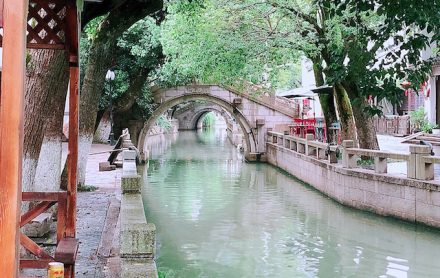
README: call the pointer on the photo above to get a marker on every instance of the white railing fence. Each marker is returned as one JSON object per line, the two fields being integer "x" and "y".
{"x": 420, "y": 163}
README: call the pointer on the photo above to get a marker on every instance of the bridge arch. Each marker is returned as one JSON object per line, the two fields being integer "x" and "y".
{"x": 246, "y": 127}
{"x": 195, "y": 119}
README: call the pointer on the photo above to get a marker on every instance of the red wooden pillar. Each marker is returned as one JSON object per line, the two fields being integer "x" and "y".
{"x": 72, "y": 175}
{"x": 11, "y": 131}
{"x": 72, "y": 42}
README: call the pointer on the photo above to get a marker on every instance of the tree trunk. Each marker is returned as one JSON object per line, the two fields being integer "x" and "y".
{"x": 46, "y": 78}
{"x": 345, "y": 111}
{"x": 327, "y": 100}
{"x": 364, "y": 122}
{"x": 100, "y": 60}
{"x": 48, "y": 176}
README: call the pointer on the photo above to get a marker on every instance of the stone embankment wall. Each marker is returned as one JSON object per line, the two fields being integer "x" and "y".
{"x": 234, "y": 133}
{"x": 138, "y": 238}
{"x": 384, "y": 194}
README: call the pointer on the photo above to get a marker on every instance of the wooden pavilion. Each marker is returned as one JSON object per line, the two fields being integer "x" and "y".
{"x": 39, "y": 24}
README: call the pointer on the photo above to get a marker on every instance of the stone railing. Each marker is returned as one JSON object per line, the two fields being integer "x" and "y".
{"x": 137, "y": 237}
{"x": 280, "y": 104}
{"x": 413, "y": 196}
{"x": 420, "y": 162}
{"x": 305, "y": 146}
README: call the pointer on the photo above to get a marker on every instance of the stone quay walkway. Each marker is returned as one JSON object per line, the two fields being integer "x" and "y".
{"x": 97, "y": 219}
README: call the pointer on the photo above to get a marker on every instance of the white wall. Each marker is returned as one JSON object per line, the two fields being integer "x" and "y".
{"x": 430, "y": 103}
{"x": 308, "y": 80}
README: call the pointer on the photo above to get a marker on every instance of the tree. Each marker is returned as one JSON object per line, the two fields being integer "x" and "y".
{"x": 46, "y": 80}
{"x": 204, "y": 42}
{"x": 363, "y": 47}
{"x": 139, "y": 53}
{"x": 102, "y": 57}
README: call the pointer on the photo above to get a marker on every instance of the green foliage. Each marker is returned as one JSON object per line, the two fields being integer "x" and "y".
{"x": 209, "y": 43}
{"x": 209, "y": 120}
{"x": 164, "y": 122}
{"x": 139, "y": 47}
{"x": 420, "y": 122}
{"x": 365, "y": 161}
{"x": 418, "y": 118}
{"x": 427, "y": 127}
{"x": 368, "y": 47}
{"x": 138, "y": 53}
{"x": 145, "y": 103}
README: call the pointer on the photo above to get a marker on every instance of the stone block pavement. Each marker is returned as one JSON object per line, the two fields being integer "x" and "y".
{"x": 97, "y": 230}
{"x": 96, "y": 227}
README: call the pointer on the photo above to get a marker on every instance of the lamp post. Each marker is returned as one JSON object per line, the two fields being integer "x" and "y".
{"x": 110, "y": 76}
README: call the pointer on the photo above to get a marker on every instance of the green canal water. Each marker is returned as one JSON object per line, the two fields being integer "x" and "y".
{"x": 218, "y": 216}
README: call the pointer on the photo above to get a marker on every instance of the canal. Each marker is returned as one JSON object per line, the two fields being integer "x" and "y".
{"x": 218, "y": 216}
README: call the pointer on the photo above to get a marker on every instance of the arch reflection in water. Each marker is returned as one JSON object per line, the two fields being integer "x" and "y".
{"x": 218, "y": 216}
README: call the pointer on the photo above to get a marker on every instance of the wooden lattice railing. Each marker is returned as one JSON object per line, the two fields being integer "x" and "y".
{"x": 66, "y": 247}
{"x": 46, "y": 24}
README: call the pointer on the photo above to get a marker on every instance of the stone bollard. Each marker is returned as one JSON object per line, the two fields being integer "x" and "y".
{"x": 127, "y": 143}
{"x": 130, "y": 180}
{"x": 348, "y": 160}
{"x": 417, "y": 167}
{"x": 137, "y": 237}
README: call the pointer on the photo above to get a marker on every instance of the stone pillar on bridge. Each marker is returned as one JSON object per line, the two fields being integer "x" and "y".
{"x": 261, "y": 134}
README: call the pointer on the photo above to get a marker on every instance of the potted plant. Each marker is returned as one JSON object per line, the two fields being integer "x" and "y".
{"x": 420, "y": 123}
{"x": 417, "y": 118}
{"x": 428, "y": 127}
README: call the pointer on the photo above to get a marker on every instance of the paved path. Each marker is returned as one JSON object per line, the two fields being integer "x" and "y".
{"x": 92, "y": 210}
{"x": 92, "y": 213}
{"x": 93, "y": 218}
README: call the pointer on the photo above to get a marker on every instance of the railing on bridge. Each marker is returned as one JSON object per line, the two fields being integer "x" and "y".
{"x": 419, "y": 161}
{"x": 281, "y": 104}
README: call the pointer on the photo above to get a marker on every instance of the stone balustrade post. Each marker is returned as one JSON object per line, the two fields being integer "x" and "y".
{"x": 300, "y": 147}
{"x": 321, "y": 153}
{"x": 348, "y": 160}
{"x": 286, "y": 142}
{"x": 332, "y": 157}
{"x": 280, "y": 140}
{"x": 309, "y": 149}
{"x": 380, "y": 165}
{"x": 130, "y": 180}
{"x": 293, "y": 145}
{"x": 417, "y": 167}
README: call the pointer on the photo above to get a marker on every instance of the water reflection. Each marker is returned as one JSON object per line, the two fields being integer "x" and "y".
{"x": 220, "y": 217}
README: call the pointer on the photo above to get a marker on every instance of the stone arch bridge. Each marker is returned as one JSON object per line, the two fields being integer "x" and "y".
{"x": 189, "y": 117}
{"x": 255, "y": 114}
